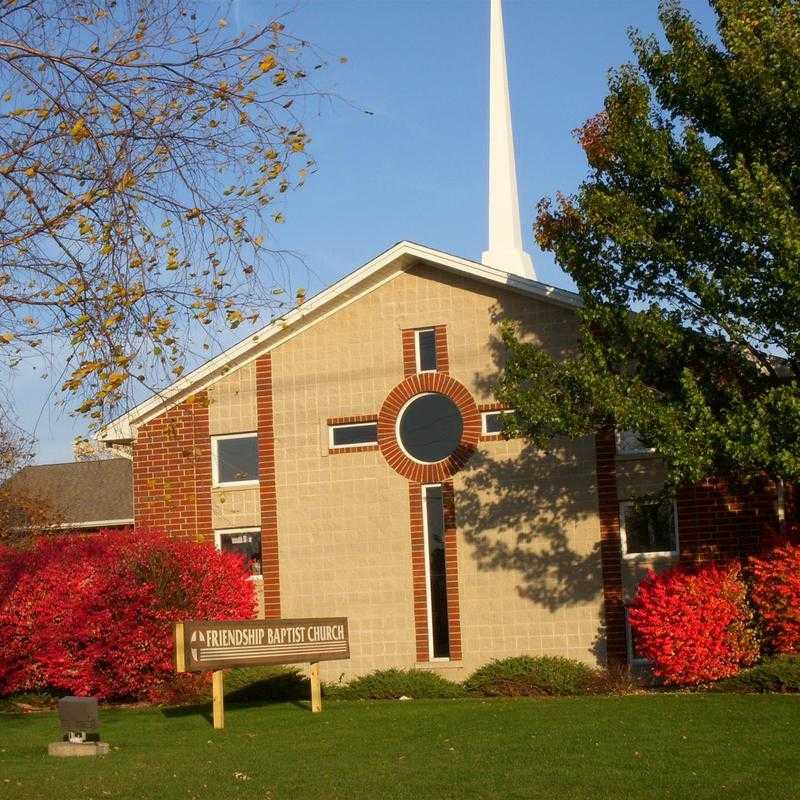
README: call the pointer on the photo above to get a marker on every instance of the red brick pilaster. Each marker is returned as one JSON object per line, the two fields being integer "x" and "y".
{"x": 409, "y": 352}
{"x": 451, "y": 566}
{"x": 267, "y": 491}
{"x": 442, "y": 358}
{"x": 419, "y": 583}
{"x": 610, "y": 547}
{"x": 172, "y": 471}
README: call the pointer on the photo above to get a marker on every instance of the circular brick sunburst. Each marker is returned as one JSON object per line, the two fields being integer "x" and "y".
{"x": 394, "y": 454}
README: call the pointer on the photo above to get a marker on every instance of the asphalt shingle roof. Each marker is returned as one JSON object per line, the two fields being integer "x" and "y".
{"x": 83, "y": 491}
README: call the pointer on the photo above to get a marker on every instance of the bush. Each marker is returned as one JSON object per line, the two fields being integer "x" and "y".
{"x": 526, "y": 676}
{"x": 694, "y": 625}
{"x": 778, "y": 674}
{"x": 392, "y": 684}
{"x": 92, "y": 615}
{"x": 775, "y": 592}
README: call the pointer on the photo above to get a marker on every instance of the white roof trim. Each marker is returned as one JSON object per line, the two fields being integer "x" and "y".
{"x": 63, "y": 526}
{"x": 392, "y": 261}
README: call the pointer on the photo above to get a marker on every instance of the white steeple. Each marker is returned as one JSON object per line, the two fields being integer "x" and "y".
{"x": 505, "y": 233}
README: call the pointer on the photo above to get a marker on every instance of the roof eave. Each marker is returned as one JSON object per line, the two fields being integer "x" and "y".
{"x": 396, "y": 258}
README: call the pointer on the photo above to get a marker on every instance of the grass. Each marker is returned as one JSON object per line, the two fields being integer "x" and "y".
{"x": 664, "y": 746}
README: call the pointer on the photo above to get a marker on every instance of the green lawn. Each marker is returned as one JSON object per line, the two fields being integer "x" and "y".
{"x": 657, "y": 746}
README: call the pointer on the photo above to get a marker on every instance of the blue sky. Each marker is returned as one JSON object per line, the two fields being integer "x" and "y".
{"x": 416, "y": 167}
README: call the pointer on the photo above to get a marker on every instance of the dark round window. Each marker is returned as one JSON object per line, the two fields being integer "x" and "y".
{"x": 430, "y": 428}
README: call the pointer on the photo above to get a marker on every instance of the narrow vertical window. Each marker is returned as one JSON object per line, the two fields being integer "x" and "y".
{"x": 438, "y": 632}
{"x": 426, "y": 350}
{"x": 634, "y": 656}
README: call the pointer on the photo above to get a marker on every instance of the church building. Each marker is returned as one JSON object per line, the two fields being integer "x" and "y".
{"x": 354, "y": 452}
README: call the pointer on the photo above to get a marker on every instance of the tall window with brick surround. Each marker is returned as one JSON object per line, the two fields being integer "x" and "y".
{"x": 435, "y": 571}
{"x": 426, "y": 429}
{"x": 426, "y": 350}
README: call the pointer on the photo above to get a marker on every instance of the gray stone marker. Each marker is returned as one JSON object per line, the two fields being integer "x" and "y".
{"x": 80, "y": 727}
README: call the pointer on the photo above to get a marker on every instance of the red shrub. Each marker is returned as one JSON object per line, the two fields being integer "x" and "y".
{"x": 92, "y": 615}
{"x": 775, "y": 592}
{"x": 694, "y": 624}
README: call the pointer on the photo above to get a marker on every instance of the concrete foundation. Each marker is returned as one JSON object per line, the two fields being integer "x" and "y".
{"x": 76, "y": 749}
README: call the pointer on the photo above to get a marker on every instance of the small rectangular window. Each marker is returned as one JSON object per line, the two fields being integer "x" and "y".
{"x": 438, "y": 628}
{"x": 649, "y": 529}
{"x": 244, "y": 542}
{"x": 426, "y": 350}
{"x": 634, "y": 655}
{"x": 354, "y": 435}
{"x": 235, "y": 459}
{"x": 493, "y": 422}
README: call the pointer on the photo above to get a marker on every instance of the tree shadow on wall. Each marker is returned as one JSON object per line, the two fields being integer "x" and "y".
{"x": 523, "y": 513}
{"x": 521, "y": 509}
{"x": 528, "y": 511}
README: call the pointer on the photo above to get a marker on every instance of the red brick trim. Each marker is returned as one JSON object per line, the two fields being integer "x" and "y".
{"x": 419, "y": 580}
{"x": 357, "y": 419}
{"x": 419, "y": 584}
{"x": 442, "y": 357}
{"x": 410, "y": 349}
{"x": 172, "y": 471}
{"x": 387, "y": 423}
{"x": 492, "y": 407}
{"x": 409, "y": 352}
{"x": 451, "y": 569}
{"x": 489, "y": 407}
{"x": 610, "y": 547}
{"x": 267, "y": 489}
{"x": 356, "y": 448}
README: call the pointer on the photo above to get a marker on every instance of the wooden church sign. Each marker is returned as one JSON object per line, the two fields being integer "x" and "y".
{"x": 214, "y": 645}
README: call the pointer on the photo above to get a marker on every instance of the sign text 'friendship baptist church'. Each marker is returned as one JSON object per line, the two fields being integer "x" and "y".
{"x": 214, "y": 645}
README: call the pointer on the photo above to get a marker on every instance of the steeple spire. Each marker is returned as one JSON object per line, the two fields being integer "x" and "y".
{"x": 505, "y": 233}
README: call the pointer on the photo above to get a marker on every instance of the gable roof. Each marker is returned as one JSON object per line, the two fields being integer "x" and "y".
{"x": 379, "y": 270}
{"x": 82, "y": 494}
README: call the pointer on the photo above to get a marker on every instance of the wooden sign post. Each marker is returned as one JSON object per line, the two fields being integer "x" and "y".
{"x": 316, "y": 688}
{"x": 214, "y": 645}
{"x": 218, "y": 698}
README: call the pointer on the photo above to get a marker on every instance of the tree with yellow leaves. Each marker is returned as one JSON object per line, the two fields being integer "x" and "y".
{"x": 23, "y": 511}
{"x": 142, "y": 146}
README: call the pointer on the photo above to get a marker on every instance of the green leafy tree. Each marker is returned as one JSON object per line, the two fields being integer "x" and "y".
{"x": 144, "y": 147}
{"x": 684, "y": 242}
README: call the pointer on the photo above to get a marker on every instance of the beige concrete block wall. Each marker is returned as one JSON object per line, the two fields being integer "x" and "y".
{"x": 528, "y": 531}
{"x": 529, "y": 561}
{"x": 232, "y": 402}
{"x": 232, "y": 409}
{"x": 235, "y": 508}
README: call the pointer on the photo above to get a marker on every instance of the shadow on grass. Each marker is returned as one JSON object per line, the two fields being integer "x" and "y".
{"x": 248, "y": 688}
